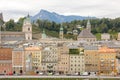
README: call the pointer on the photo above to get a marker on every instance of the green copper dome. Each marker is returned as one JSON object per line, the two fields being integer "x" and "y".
{"x": 61, "y": 28}
{"x": 27, "y": 19}
{"x": 43, "y": 34}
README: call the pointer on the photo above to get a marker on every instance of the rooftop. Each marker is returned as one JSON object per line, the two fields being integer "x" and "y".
{"x": 86, "y": 34}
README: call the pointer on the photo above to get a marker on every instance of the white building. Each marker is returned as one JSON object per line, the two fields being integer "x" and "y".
{"x": 49, "y": 59}
{"x": 77, "y": 64}
{"x": 105, "y": 37}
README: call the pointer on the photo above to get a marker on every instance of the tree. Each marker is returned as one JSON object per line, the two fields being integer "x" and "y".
{"x": 10, "y": 25}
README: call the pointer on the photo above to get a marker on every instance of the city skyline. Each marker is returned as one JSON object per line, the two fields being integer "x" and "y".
{"x": 99, "y": 8}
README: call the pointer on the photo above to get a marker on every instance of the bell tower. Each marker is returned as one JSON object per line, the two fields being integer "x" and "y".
{"x": 27, "y": 28}
{"x": 61, "y": 32}
{"x": 88, "y": 26}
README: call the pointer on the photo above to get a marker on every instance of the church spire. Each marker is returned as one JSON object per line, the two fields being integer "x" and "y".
{"x": 61, "y": 32}
{"x": 43, "y": 34}
{"x": 88, "y": 26}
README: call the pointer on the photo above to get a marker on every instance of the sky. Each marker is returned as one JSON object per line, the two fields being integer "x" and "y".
{"x": 14, "y": 9}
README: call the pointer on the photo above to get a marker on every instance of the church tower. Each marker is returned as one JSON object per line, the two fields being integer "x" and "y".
{"x": 88, "y": 26}
{"x": 27, "y": 28}
{"x": 61, "y": 32}
{"x": 44, "y": 35}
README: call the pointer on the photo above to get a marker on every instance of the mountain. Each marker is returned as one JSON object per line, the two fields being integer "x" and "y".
{"x": 52, "y": 16}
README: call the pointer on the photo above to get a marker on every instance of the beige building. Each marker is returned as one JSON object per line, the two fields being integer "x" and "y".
{"x": 118, "y": 66}
{"x": 118, "y": 38}
{"x": 105, "y": 37}
{"x": 118, "y": 61}
{"x": 107, "y": 61}
{"x": 18, "y": 61}
{"x": 77, "y": 64}
{"x": 63, "y": 61}
{"x": 33, "y": 58}
{"x": 49, "y": 59}
{"x": 91, "y": 58}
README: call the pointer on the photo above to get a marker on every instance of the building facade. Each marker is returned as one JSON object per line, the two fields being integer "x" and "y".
{"x": 27, "y": 28}
{"x": 118, "y": 38}
{"x": 91, "y": 59}
{"x": 105, "y": 37}
{"x": 32, "y": 58}
{"x": 49, "y": 59}
{"x": 5, "y": 60}
{"x": 77, "y": 62}
{"x": 107, "y": 61}
{"x": 18, "y": 61}
{"x": 63, "y": 59}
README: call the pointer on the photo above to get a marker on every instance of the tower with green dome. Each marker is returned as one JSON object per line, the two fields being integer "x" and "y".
{"x": 61, "y": 33}
{"x": 43, "y": 34}
{"x": 27, "y": 28}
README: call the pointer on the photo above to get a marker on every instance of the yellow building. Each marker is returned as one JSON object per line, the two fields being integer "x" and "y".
{"x": 107, "y": 61}
{"x": 91, "y": 59}
{"x": 33, "y": 58}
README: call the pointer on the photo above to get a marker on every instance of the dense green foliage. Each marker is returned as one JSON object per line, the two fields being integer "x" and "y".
{"x": 104, "y": 25}
{"x": 74, "y": 51}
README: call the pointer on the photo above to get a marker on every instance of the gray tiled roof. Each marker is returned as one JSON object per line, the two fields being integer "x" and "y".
{"x": 86, "y": 34}
{"x": 12, "y": 36}
{"x": 9, "y": 33}
{"x": 88, "y": 47}
{"x": 18, "y": 49}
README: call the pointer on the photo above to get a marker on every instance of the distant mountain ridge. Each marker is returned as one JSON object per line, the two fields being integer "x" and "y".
{"x": 52, "y": 16}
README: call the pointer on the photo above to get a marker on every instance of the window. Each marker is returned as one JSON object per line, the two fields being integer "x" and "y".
{"x": 28, "y": 29}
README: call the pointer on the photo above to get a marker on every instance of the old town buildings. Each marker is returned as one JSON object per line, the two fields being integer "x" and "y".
{"x": 58, "y": 55}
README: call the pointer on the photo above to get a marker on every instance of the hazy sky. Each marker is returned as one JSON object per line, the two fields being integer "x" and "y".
{"x": 98, "y": 8}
